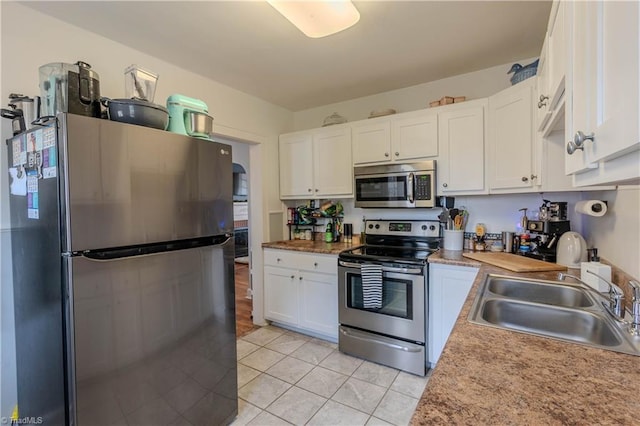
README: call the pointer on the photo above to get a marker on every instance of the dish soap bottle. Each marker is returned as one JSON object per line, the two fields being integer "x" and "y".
{"x": 328, "y": 234}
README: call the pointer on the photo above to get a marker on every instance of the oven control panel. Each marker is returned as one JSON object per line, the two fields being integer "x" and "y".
{"x": 416, "y": 228}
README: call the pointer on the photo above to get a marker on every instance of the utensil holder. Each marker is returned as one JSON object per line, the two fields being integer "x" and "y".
{"x": 453, "y": 239}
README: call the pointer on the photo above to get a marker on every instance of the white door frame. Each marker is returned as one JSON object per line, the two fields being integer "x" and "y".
{"x": 257, "y": 210}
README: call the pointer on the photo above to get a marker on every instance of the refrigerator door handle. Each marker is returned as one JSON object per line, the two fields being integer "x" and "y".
{"x": 117, "y": 253}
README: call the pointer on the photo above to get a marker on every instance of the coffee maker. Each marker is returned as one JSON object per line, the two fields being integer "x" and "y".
{"x": 551, "y": 224}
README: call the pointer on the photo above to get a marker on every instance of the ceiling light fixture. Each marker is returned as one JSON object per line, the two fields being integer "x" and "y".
{"x": 318, "y": 18}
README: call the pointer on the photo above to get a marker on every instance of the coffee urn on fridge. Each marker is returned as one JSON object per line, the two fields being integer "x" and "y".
{"x": 72, "y": 88}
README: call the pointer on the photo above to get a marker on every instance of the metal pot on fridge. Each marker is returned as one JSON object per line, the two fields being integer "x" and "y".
{"x": 23, "y": 112}
{"x": 136, "y": 111}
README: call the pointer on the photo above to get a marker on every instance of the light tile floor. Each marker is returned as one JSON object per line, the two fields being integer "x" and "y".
{"x": 289, "y": 378}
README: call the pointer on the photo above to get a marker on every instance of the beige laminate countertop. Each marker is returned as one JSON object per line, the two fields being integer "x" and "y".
{"x": 491, "y": 376}
{"x": 317, "y": 246}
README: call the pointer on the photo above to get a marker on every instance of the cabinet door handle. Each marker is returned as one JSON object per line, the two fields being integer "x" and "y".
{"x": 525, "y": 179}
{"x": 397, "y": 154}
{"x": 386, "y": 154}
{"x": 578, "y": 142}
{"x": 541, "y": 104}
{"x": 300, "y": 278}
{"x": 580, "y": 138}
{"x": 534, "y": 177}
{"x": 543, "y": 98}
{"x": 316, "y": 189}
{"x": 309, "y": 190}
{"x": 292, "y": 276}
{"x": 444, "y": 185}
{"x": 278, "y": 260}
{"x": 315, "y": 265}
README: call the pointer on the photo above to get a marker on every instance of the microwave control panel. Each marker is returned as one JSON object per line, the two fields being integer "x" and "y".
{"x": 422, "y": 187}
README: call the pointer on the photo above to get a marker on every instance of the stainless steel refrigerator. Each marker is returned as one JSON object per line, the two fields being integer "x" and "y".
{"x": 123, "y": 275}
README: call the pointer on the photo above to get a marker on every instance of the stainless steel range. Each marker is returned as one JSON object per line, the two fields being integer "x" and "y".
{"x": 383, "y": 293}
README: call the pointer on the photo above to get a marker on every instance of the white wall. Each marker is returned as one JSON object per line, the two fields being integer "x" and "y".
{"x": 48, "y": 40}
{"x": 617, "y": 233}
{"x": 474, "y": 85}
{"x": 498, "y": 212}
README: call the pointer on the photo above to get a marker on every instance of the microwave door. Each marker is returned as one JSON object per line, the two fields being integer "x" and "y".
{"x": 383, "y": 190}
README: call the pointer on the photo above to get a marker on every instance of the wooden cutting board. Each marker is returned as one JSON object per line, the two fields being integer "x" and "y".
{"x": 514, "y": 262}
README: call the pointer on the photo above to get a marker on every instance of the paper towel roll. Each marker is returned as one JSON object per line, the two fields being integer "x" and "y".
{"x": 591, "y": 207}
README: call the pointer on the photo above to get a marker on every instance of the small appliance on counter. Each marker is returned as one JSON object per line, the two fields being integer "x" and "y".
{"x": 551, "y": 224}
{"x": 189, "y": 116}
{"x": 572, "y": 250}
{"x": 73, "y": 88}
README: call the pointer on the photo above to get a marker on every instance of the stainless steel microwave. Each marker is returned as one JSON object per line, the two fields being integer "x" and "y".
{"x": 395, "y": 185}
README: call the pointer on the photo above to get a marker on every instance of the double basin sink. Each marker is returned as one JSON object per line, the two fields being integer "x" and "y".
{"x": 551, "y": 309}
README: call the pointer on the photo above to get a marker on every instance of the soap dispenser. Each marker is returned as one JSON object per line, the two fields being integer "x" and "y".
{"x": 523, "y": 226}
{"x": 594, "y": 265}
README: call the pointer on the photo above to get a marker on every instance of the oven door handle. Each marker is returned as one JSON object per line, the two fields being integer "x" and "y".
{"x": 378, "y": 342}
{"x": 412, "y": 271}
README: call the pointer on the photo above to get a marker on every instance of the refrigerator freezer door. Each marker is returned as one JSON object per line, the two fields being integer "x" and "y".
{"x": 128, "y": 185}
{"x": 154, "y": 334}
{"x": 38, "y": 300}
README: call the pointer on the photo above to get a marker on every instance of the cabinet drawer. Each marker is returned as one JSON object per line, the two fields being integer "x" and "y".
{"x": 313, "y": 262}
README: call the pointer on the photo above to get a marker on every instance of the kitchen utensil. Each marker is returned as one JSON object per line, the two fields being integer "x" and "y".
{"x": 17, "y": 119}
{"x": 572, "y": 250}
{"x": 30, "y": 107}
{"x": 457, "y": 222}
{"x": 453, "y": 239}
{"x": 507, "y": 241}
{"x": 180, "y": 113}
{"x": 73, "y": 88}
{"x": 136, "y": 111}
{"x": 140, "y": 83}
{"x": 198, "y": 124}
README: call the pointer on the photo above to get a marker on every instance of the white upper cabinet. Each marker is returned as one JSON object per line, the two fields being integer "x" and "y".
{"x": 602, "y": 118}
{"x": 316, "y": 164}
{"x": 556, "y": 54}
{"x": 296, "y": 165}
{"x": 371, "y": 141}
{"x": 414, "y": 136}
{"x": 511, "y": 144}
{"x": 332, "y": 164}
{"x": 461, "y": 164}
{"x": 543, "y": 113}
{"x": 549, "y": 99}
{"x": 405, "y": 137}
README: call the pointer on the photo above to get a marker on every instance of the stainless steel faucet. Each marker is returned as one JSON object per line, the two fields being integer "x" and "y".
{"x": 634, "y": 328}
{"x": 615, "y": 299}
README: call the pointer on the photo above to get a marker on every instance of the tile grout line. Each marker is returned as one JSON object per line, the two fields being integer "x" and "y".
{"x": 326, "y": 399}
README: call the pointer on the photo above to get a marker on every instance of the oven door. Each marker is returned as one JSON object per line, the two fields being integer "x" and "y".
{"x": 403, "y": 310}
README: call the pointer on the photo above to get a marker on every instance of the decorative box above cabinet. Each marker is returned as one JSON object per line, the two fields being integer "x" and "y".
{"x": 316, "y": 164}
{"x": 404, "y": 137}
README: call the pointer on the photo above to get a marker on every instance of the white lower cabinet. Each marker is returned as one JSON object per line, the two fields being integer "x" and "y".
{"x": 301, "y": 291}
{"x": 449, "y": 287}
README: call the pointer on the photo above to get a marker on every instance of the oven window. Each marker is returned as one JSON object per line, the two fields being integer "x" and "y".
{"x": 397, "y": 296}
{"x": 381, "y": 188}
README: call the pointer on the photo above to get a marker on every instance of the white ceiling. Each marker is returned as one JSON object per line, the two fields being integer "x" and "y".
{"x": 247, "y": 45}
